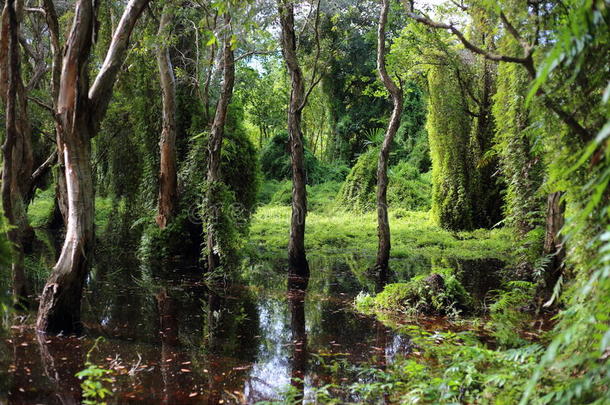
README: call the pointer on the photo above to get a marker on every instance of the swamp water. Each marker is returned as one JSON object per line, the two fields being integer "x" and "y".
{"x": 168, "y": 338}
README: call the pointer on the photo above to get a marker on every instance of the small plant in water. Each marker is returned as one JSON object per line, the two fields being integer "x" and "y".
{"x": 94, "y": 380}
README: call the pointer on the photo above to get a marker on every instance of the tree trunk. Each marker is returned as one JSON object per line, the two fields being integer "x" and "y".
{"x": 17, "y": 148}
{"x": 553, "y": 245}
{"x": 61, "y": 188}
{"x": 383, "y": 224}
{"x": 298, "y": 266}
{"x": 215, "y": 145}
{"x": 79, "y": 111}
{"x": 167, "y": 144}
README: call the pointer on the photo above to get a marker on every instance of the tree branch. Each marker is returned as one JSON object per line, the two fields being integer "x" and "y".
{"x": 527, "y": 62}
{"x": 101, "y": 90}
{"x": 42, "y": 104}
{"x": 314, "y": 80}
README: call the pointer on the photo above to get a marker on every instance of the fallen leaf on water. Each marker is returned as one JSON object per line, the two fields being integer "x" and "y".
{"x": 242, "y": 368}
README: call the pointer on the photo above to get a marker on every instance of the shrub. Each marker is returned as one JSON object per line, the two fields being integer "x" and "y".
{"x": 239, "y": 170}
{"x": 358, "y": 191}
{"x": 439, "y": 293}
{"x": 276, "y": 164}
{"x": 407, "y": 188}
{"x": 509, "y": 312}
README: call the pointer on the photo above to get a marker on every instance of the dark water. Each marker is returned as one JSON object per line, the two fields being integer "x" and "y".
{"x": 170, "y": 338}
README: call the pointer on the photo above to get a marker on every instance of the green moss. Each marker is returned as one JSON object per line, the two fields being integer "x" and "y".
{"x": 439, "y": 293}
{"x": 452, "y": 161}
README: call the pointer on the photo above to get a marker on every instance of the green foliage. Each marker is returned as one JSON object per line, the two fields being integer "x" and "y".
{"x": 434, "y": 294}
{"x": 276, "y": 164}
{"x": 519, "y": 160}
{"x": 221, "y": 216}
{"x": 358, "y": 191}
{"x": 453, "y": 170}
{"x": 238, "y": 168}
{"x": 95, "y": 380}
{"x": 451, "y": 368}
{"x": 407, "y": 188}
{"x": 411, "y": 141}
{"x": 320, "y": 197}
{"x": 511, "y": 312}
{"x": 349, "y": 74}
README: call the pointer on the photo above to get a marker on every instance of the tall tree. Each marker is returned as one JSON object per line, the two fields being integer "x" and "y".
{"x": 80, "y": 108}
{"x": 215, "y": 142}
{"x": 17, "y": 148}
{"x": 383, "y": 224}
{"x": 167, "y": 144}
{"x": 297, "y": 259}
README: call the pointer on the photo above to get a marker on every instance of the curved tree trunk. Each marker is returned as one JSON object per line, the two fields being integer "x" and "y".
{"x": 383, "y": 224}
{"x": 17, "y": 148}
{"x": 79, "y": 112}
{"x": 167, "y": 145}
{"x": 215, "y": 145}
{"x": 297, "y": 260}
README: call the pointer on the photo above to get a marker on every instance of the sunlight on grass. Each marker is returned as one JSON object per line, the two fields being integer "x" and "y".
{"x": 342, "y": 231}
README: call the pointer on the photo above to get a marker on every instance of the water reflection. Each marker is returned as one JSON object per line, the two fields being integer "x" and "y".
{"x": 169, "y": 338}
{"x": 296, "y": 300}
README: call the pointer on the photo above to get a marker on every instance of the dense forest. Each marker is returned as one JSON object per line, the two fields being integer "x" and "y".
{"x": 316, "y": 201}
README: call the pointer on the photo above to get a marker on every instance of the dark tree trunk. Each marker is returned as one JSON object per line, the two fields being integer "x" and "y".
{"x": 383, "y": 224}
{"x": 297, "y": 260}
{"x": 79, "y": 112}
{"x": 553, "y": 245}
{"x": 215, "y": 145}
{"x": 17, "y": 149}
{"x": 167, "y": 145}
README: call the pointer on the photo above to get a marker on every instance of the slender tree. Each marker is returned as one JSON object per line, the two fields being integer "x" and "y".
{"x": 215, "y": 142}
{"x": 167, "y": 144}
{"x": 80, "y": 108}
{"x": 383, "y": 224}
{"x": 297, "y": 260}
{"x": 17, "y": 148}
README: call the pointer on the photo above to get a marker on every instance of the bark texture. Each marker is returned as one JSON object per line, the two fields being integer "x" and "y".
{"x": 17, "y": 148}
{"x": 553, "y": 245}
{"x": 61, "y": 188}
{"x": 79, "y": 111}
{"x": 383, "y": 224}
{"x": 297, "y": 260}
{"x": 168, "y": 178}
{"x": 215, "y": 143}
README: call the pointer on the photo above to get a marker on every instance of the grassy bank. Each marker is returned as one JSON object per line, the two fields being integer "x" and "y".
{"x": 340, "y": 231}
